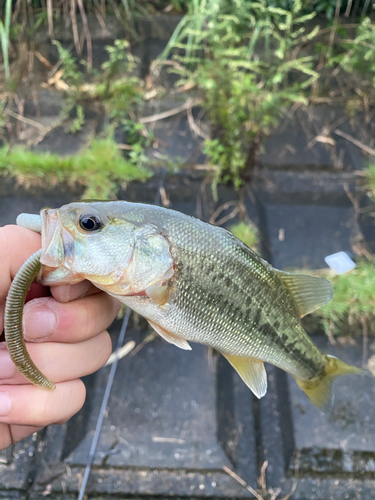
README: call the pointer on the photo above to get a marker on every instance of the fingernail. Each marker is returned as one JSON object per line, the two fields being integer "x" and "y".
{"x": 7, "y": 367}
{"x": 5, "y": 404}
{"x": 39, "y": 322}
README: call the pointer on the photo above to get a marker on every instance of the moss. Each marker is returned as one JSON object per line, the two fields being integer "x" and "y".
{"x": 247, "y": 233}
{"x": 98, "y": 169}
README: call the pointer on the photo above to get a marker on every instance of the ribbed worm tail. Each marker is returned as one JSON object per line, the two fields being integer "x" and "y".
{"x": 13, "y": 322}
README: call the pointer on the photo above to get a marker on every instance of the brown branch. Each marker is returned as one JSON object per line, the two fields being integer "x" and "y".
{"x": 220, "y": 209}
{"x": 86, "y": 31}
{"x": 242, "y": 482}
{"x": 359, "y": 144}
{"x": 26, "y": 120}
{"x": 230, "y": 216}
{"x": 190, "y": 103}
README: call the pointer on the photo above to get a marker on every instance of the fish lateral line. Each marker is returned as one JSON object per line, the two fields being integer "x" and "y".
{"x": 217, "y": 282}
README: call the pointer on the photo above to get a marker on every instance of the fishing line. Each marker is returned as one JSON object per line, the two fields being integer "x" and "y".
{"x": 111, "y": 377}
{"x": 103, "y": 407}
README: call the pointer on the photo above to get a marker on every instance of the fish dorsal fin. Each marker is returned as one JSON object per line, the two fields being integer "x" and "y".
{"x": 308, "y": 293}
{"x": 170, "y": 337}
{"x": 251, "y": 371}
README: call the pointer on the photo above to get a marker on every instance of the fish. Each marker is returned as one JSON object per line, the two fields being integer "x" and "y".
{"x": 193, "y": 282}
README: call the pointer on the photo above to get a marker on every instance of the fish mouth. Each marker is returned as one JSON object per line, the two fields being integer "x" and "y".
{"x": 52, "y": 241}
{"x": 58, "y": 249}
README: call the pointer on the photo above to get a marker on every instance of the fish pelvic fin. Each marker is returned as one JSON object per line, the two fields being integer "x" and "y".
{"x": 251, "y": 371}
{"x": 170, "y": 337}
{"x": 159, "y": 294}
{"x": 307, "y": 292}
{"x": 319, "y": 389}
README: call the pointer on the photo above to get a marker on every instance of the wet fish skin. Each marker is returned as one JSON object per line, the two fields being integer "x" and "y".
{"x": 194, "y": 282}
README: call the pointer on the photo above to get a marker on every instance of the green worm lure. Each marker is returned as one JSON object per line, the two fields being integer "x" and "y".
{"x": 13, "y": 322}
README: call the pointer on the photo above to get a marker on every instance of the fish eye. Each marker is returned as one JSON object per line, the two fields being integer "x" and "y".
{"x": 90, "y": 222}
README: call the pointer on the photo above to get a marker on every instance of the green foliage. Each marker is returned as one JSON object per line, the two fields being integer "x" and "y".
{"x": 244, "y": 58}
{"x": 323, "y": 7}
{"x": 4, "y": 36}
{"x": 353, "y": 301}
{"x": 78, "y": 121}
{"x": 114, "y": 87}
{"x": 72, "y": 75}
{"x": 247, "y": 233}
{"x": 370, "y": 179}
{"x": 359, "y": 54}
{"x": 98, "y": 169}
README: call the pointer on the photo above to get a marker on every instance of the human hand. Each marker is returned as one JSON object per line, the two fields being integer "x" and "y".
{"x": 65, "y": 337}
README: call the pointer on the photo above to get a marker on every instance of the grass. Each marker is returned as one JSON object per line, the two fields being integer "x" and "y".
{"x": 99, "y": 169}
{"x": 4, "y": 36}
{"x": 353, "y": 305}
{"x": 370, "y": 178}
{"x": 247, "y": 233}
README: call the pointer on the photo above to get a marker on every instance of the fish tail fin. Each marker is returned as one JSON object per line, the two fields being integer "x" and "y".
{"x": 319, "y": 389}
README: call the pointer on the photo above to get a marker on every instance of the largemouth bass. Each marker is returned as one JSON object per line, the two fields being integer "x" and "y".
{"x": 193, "y": 282}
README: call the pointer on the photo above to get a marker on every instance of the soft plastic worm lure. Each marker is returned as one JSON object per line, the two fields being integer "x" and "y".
{"x": 13, "y": 322}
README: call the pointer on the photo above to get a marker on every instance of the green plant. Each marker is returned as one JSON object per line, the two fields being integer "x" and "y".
{"x": 370, "y": 179}
{"x": 115, "y": 87}
{"x": 246, "y": 232}
{"x": 356, "y": 58}
{"x": 4, "y": 36}
{"x": 353, "y": 304}
{"x": 78, "y": 122}
{"x": 244, "y": 58}
{"x": 99, "y": 169}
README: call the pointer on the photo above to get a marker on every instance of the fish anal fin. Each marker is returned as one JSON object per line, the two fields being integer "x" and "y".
{"x": 159, "y": 294}
{"x": 170, "y": 337}
{"x": 307, "y": 292}
{"x": 319, "y": 389}
{"x": 251, "y": 371}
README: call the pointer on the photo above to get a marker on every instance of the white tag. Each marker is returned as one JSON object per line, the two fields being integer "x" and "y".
{"x": 340, "y": 262}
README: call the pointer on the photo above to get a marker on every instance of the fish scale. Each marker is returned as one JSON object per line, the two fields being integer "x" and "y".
{"x": 193, "y": 282}
{"x": 203, "y": 302}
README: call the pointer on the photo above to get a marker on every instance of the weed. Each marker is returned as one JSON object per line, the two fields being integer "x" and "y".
{"x": 244, "y": 58}
{"x": 71, "y": 73}
{"x": 247, "y": 233}
{"x": 4, "y": 36}
{"x": 98, "y": 169}
{"x": 370, "y": 179}
{"x": 115, "y": 87}
{"x": 354, "y": 59}
{"x": 353, "y": 301}
{"x": 78, "y": 122}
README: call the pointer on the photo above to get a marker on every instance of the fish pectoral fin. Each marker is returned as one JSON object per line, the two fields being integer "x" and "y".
{"x": 307, "y": 292}
{"x": 170, "y": 337}
{"x": 319, "y": 389}
{"x": 251, "y": 371}
{"x": 159, "y": 294}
